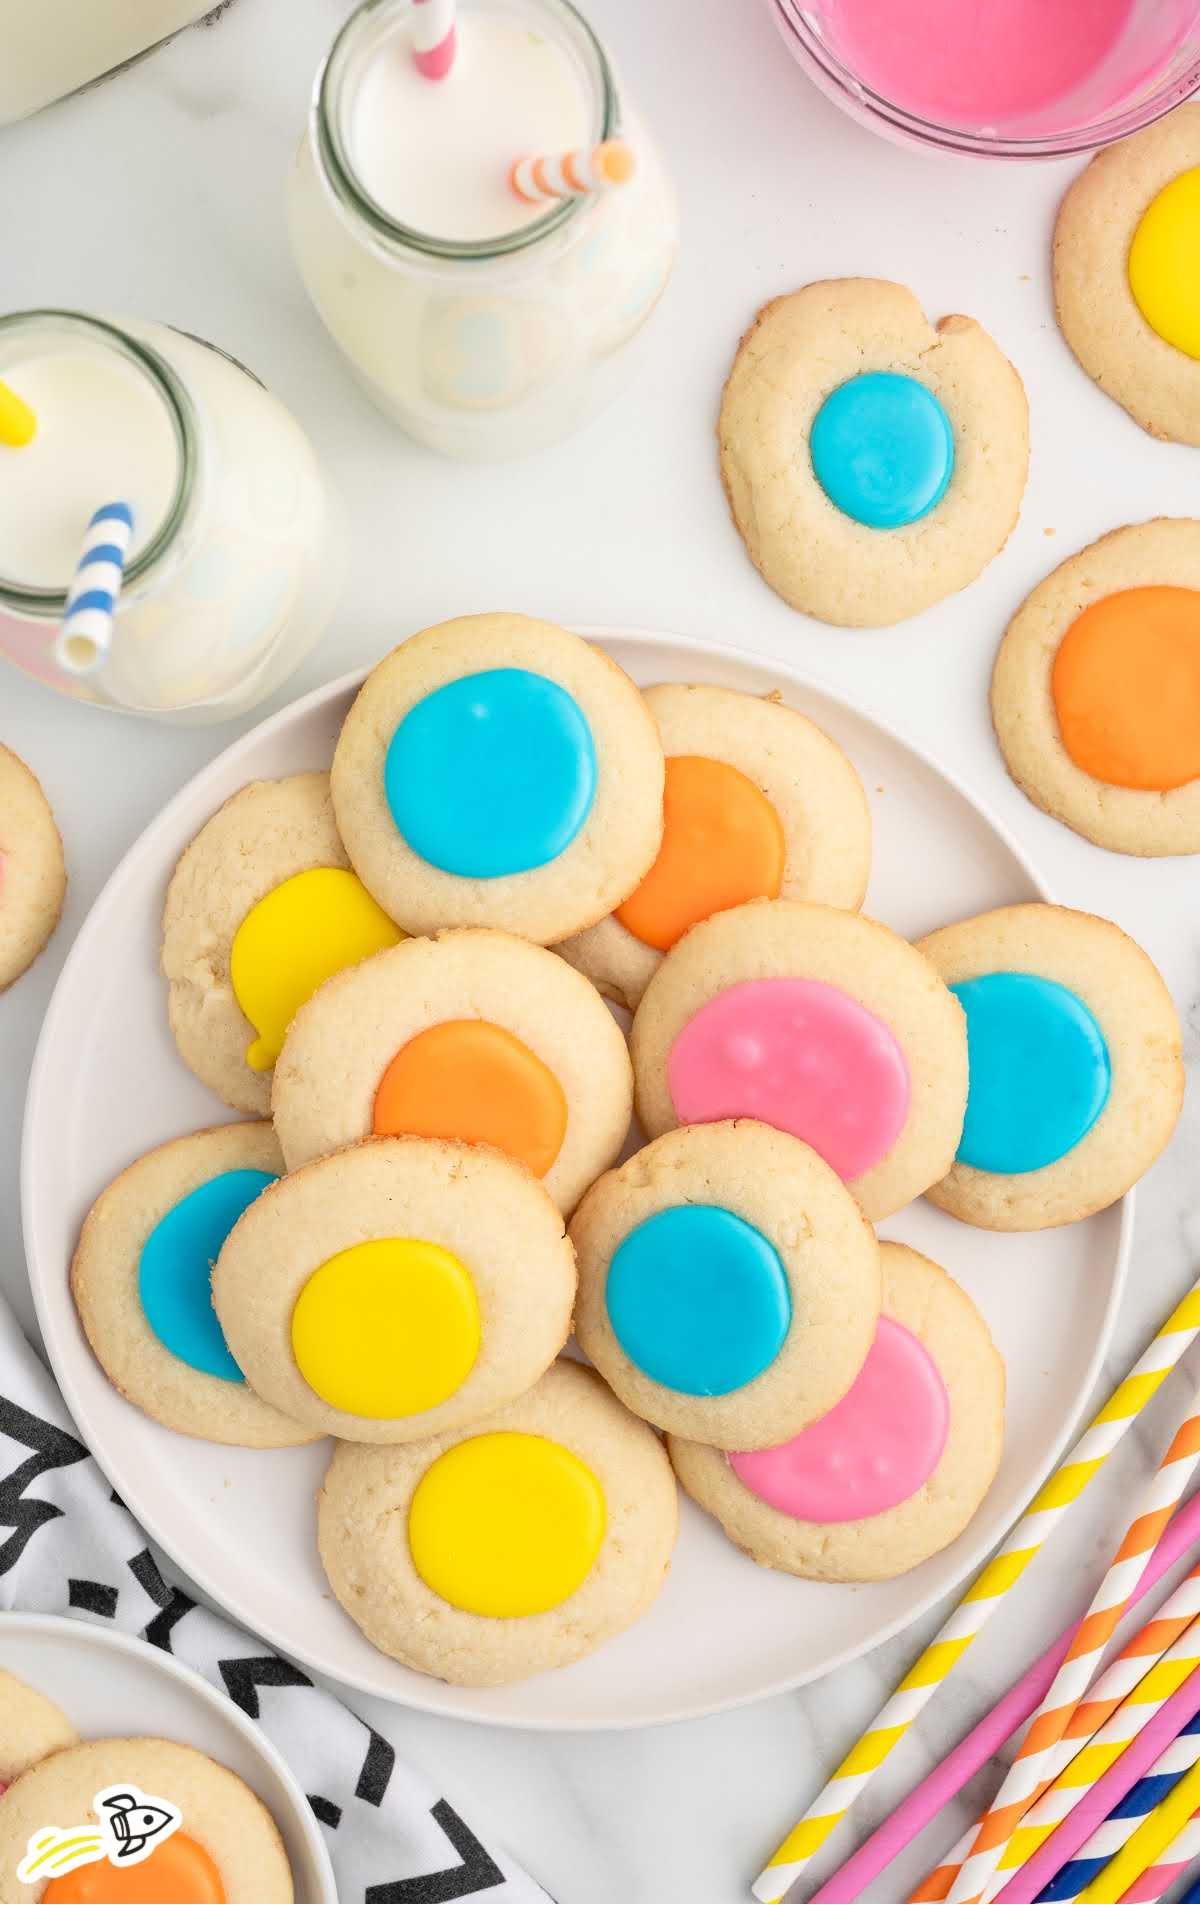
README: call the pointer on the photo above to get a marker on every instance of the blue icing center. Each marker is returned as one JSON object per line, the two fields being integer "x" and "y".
{"x": 494, "y": 773}
{"x": 1039, "y": 1071}
{"x": 882, "y": 449}
{"x": 175, "y": 1274}
{"x": 698, "y": 1299}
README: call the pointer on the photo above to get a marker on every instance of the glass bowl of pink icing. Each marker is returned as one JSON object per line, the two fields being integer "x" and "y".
{"x": 1005, "y": 79}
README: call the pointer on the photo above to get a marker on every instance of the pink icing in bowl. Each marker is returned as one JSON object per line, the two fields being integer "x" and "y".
{"x": 998, "y": 78}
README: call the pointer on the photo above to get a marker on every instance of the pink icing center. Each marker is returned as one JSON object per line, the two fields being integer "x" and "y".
{"x": 799, "y": 1055}
{"x": 3, "y": 1787}
{"x": 874, "y": 1449}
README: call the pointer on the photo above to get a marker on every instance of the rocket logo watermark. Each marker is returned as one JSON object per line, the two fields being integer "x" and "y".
{"x": 132, "y": 1825}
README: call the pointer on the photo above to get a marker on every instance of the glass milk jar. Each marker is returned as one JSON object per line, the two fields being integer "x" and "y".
{"x": 484, "y": 326}
{"x": 235, "y": 561}
{"x": 52, "y": 47}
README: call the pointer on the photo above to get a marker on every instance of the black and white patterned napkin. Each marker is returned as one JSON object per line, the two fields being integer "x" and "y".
{"x": 68, "y": 1545}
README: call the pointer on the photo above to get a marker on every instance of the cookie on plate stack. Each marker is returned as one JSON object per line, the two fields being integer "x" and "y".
{"x": 402, "y": 961}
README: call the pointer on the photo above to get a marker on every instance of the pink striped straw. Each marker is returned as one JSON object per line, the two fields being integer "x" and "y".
{"x": 939, "y": 1787}
{"x": 1157, "y": 1879}
{"x": 435, "y": 40}
{"x": 1098, "y": 1801}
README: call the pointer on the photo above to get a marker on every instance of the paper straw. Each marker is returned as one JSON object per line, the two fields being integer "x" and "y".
{"x": 1153, "y": 1688}
{"x": 1098, "y": 1801}
{"x": 573, "y": 174}
{"x": 939, "y": 1787}
{"x": 1119, "y": 1724}
{"x": 1175, "y": 1861}
{"x": 982, "y": 1599}
{"x": 435, "y": 39}
{"x": 1110, "y": 1745}
{"x": 1191, "y": 1896}
{"x": 1044, "y": 1752}
{"x": 17, "y": 421}
{"x": 1122, "y": 1821}
{"x": 1148, "y": 1843}
{"x": 85, "y": 634}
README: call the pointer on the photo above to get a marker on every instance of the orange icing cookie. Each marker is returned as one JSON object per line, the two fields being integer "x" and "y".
{"x": 475, "y": 1037}
{"x": 178, "y": 1872}
{"x": 722, "y": 845}
{"x": 137, "y": 1821}
{"x": 477, "y": 1082}
{"x": 759, "y": 805}
{"x": 1126, "y": 687}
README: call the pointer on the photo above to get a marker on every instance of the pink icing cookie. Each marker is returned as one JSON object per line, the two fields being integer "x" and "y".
{"x": 874, "y": 1449}
{"x": 819, "y": 1022}
{"x": 799, "y": 1055}
{"x": 895, "y": 1470}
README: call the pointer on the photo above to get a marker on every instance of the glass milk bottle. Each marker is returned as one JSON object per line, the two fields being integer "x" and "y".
{"x": 49, "y": 48}
{"x": 484, "y": 325}
{"x": 235, "y": 561}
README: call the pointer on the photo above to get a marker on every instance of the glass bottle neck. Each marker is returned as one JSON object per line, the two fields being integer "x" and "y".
{"x": 41, "y": 333}
{"x": 372, "y": 24}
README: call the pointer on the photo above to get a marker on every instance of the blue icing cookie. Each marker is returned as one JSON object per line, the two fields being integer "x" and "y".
{"x": 882, "y": 449}
{"x": 698, "y": 1299}
{"x": 1039, "y": 1072}
{"x": 175, "y": 1273}
{"x": 494, "y": 773}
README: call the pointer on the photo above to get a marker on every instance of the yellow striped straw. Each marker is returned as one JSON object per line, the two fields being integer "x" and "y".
{"x": 17, "y": 421}
{"x": 1148, "y": 1843}
{"x": 982, "y": 1599}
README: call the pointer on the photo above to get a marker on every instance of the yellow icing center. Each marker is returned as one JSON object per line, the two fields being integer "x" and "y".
{"x": 506, "y": 1524}
{"x": 295, "y": 938}
{"x": 1164, "y": 263}
{"x": 387, "y": 1328}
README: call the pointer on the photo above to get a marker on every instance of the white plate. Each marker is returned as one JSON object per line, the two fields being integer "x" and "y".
{"x": 109, "y": 1684}
{"x": 107, "y": 1085}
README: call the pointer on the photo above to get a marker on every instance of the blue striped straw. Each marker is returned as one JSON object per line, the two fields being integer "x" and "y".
{"x": 1192, "y": 1895}
{"x": 1127, "y": 1815}
{"x": 85, "y": 634}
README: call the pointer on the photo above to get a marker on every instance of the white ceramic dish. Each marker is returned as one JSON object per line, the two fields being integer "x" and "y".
{"x": 107, "y": 1084}
{"x": 109, "y": 1684}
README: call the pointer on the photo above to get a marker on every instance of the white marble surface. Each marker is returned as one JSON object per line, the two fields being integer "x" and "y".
{"x": 160, "y": 193}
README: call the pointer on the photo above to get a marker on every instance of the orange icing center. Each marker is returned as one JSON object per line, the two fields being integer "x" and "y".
{"x": 722, "y": 845}
{"x": 474, "y": 1081}
{"x": 178, "y": 1872}
{"x": 1126, "y": 687}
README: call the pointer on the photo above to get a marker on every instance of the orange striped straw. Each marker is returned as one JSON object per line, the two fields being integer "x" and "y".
{"x": 936, "y": 1884}
{"x": 1144, "y": 1672}
{"x": 573, "y": 174}
{"x": 1042, "y": 1753}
